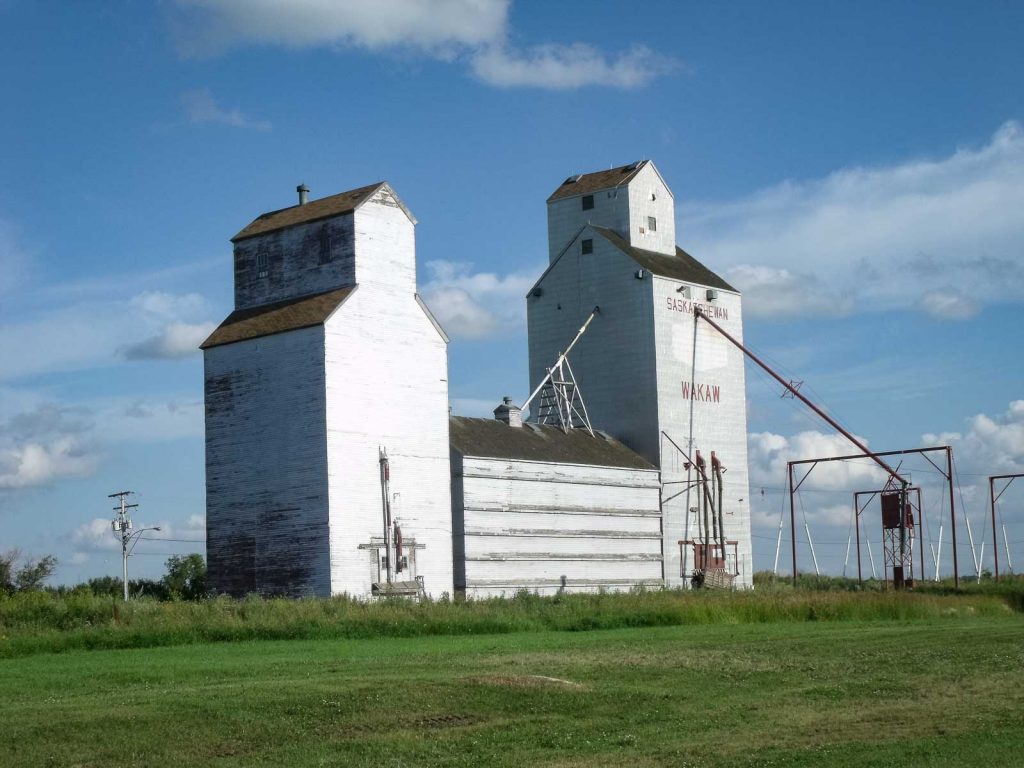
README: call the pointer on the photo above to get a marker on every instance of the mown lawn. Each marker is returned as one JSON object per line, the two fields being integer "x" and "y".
{"x": 939, "y": 692}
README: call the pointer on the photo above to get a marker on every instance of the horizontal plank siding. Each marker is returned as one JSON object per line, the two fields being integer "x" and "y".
{"x": 548, "y": 527}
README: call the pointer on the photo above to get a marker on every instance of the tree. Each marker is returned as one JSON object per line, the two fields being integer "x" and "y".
{"x": 30, "y": 576}
{"x": 186, "y": 576}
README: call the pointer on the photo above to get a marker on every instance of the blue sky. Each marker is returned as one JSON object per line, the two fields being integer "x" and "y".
{"x": 858, "y": 170}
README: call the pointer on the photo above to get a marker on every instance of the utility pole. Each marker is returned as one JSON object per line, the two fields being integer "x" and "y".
{"x": 122, "y": 526}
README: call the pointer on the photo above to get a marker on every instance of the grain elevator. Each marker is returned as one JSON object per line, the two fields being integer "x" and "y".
{"x": 650, "y": 375}
{"x": 334, "y": 465}
{"x": 328, "y": 383}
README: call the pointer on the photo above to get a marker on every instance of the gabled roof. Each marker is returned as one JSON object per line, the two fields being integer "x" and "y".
{"x": 314, "y": 210}
{"x": 490, "y": 438}
{"x": 682, "y": 266}
{"x": 586, "y": 183}
{"x": 281, "y": 316}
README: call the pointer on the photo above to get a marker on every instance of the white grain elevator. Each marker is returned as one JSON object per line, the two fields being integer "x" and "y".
{"x": 649, "y": 374}
{"x": 329, "y": 358}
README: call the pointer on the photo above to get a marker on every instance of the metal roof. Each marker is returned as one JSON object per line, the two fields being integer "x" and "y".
{"x": 584, "y": 184}
{"x": 490, "y": 438}
{"x": 681, "y": 266}
{"x": 324, "y": 208}
{"x": 281, "y": 316}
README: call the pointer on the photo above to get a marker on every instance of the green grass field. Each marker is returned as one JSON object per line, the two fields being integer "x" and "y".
{"x": 924, "y": 691}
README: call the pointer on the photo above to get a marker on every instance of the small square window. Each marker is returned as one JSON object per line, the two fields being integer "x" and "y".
{"x": 652, "y": 224}
{"x": 587, "y": 246}
{"x": 588, "y": 202}
{"x": 262, "y": 264}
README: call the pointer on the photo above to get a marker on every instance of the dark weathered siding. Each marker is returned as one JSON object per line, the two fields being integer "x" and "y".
{"x": 266, "y": 466}
{"x": 294, "y": 262}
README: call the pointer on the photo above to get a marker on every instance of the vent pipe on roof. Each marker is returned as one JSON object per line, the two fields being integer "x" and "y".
{"x": 509, "y": 412}
{"x": 303, "y": 191}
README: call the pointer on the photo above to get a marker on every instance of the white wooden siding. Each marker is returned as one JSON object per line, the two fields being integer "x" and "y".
{"x": 295, "y": 420}
{"x": 632, "y": 361}
{"x": 614, "y": 360}
{"x": 387, "y": 386}
{"x": 717, "y": 426}
{"x": 546, "y": 527}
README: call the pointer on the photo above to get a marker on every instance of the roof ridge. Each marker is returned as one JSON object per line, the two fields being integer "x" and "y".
{"x": 314, "y": 210}
{"x": 677, "y": 266}
{"x": 596, "y": 181}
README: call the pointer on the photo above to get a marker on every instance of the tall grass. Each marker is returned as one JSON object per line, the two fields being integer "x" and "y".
{"x": 40, "y": 622}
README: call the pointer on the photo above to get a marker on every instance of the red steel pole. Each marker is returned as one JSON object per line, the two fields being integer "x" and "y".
{"x": 792, "y": 519}
{"x": 856, "y": 524}
{"x": 952, "y": 514}
{"x": 995, "y": 539}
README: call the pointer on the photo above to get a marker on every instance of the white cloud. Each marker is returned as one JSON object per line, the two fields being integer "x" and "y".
{"x": 40, "y": 446}
{"x": 887, "y": 237}
{"x": 990, "y": 445}
{"x": 769, "y": 454}
{"x": 475, "y": 305}
{"x": 949, "y": 304}
{"x": 176, "y": 340}
{"x": 474, "y": 31}
{"x": 564, "y": 67}
{"x": 771, "y": 292}
{"x": 201, "y": 107}
{"x": 94, "y": 333}
{"x": 434, "y": 26}
{"x": 97, "y": 535}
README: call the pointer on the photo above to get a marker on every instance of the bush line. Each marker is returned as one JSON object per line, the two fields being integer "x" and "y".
{"x": 40, "y": 622}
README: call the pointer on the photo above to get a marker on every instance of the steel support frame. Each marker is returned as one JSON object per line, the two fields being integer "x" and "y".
{"x": 993, "y": 497}
{"x": 947, "y": 474}
{"x": 698, "y": 314}
{"x": 858, "y": 510}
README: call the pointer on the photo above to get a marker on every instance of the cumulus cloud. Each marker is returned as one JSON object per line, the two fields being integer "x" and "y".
{"x": 772, "y": 292}
{"x": 989, "y": 444}
{"x": 985, "y": 445}
{"x": 474, "y": 31}
{"x": 475, "y": 305}
{"x": 96, "y": 535}
{"x": 565, "y": 67}
{"x": 47, "y": 443}
{"x": 879, "y": 238}
{"x": 209, "y": 27}
{"x": 201, "y": 107}
{"x": 92, "y": 333}
{"x": 176, "y": 340}
{"x": 769, "y": 453}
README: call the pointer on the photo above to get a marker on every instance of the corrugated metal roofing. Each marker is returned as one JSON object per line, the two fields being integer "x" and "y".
{"x": 281, "y": 316}
{"x": 682, "y": 266}
{"x": 490, "y": 438}
{"x": 592, "y": 182}
{"x": 324, "y": 208}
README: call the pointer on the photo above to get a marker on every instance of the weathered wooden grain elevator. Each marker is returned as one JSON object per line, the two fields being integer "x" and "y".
{"x": 329, "y": 360}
